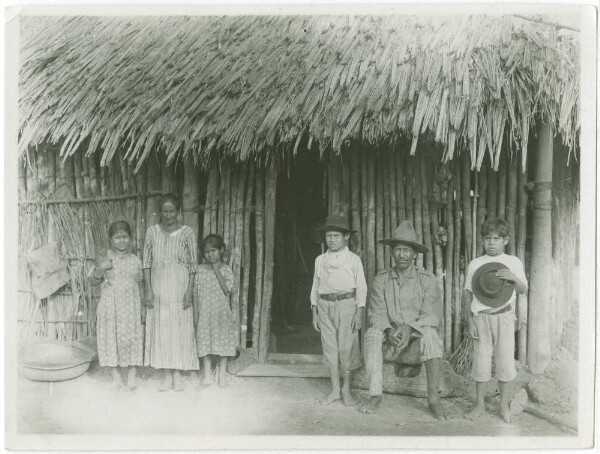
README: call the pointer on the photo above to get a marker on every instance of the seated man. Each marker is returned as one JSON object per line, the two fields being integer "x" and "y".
{"x": 403, "y": 321}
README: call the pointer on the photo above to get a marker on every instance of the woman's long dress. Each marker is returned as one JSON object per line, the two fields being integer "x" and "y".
{"x": 170, "y": 340}
{"x": 119, "y": 329}
{"x": 216, "y": 333}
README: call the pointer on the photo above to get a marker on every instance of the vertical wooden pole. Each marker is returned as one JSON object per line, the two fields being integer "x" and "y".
{"x": 238, "y": 244}
{"x": 354, "y": 157}
{"x": 265, "y": 310}
{"x": 168, "y": 184}
{"x": 481, "y": 208}
{"x": 521, "y": 237}
{"x": 492, "y": 192}
{"x": 416, "y": 172}
{"x": 428, "y": 219}
{"x": 511, "y": 204}
{"x": 449, "y": 333}
{"x": 409, "y": 177}
{"x": 364, "y": 203}
{"x": 190, "y": 203}
{"x": 501, "y": 207}
{"x": 246, "y": 256}
{"x": 538, "y": 346}
{"x": 79, "y": 186}
{"x": 379, "y": 230}
{"x": 385, "y": 202}
{"x": 259, "y": 201}
{"x": 393, "y": 191}
{"x": 371, "y": 254}
{"x": 153, "y": 184}
{"x": 458, "y": 269}
{"x": 466, "y": 203}
{"x": 140, "y": 208}
{"x": 223, "y": 170}
{"x": 345, "y": 182}
{"x": 400, "y": 187}
{"x": 93, "y": 172}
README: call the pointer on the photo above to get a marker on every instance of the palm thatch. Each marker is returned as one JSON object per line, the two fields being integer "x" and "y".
{"x": 254, "y": 86}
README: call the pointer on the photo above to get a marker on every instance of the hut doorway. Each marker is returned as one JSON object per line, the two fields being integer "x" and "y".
{"x": 301, "y": 207}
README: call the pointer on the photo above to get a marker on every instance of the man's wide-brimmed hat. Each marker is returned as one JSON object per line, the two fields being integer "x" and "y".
{"x": 489, "y": 288}
{"x": 336, "y": 223}
{"x": 405, "y": 233}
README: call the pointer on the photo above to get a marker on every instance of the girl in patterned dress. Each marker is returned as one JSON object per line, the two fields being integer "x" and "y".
{"x": 215, "y": 323}
{"x": 169, "y": 265}
{"x": 119, "y": 330}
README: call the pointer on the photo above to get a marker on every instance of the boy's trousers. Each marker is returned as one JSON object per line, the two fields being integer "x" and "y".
{"x": 340, "y": 345}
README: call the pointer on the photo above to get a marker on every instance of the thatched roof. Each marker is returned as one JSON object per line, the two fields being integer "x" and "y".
{"x": 254, "y": 86}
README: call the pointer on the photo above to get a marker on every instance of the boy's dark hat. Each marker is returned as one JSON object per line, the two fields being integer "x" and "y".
{"x": 489, "y": 288}
{"x": 336, "y": 223}
{"x": 405, "y": 233}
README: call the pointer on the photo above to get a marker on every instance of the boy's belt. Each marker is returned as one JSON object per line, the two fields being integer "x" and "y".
{"x": 501, "y": 311}
{"x": 338, "y": 296}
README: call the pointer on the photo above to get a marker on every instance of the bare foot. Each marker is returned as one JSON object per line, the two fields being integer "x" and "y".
{"x": 348, "y": 399}
{"x": 116, "y": 386}
{"x": 132, "y": 386}
{"x": 332, "y": 397}
{"x": 178, "y": 383}
{"x": 166, "y": 385}
{"x": 437, "y": 410}
{"x": 474, "y": 414}
{"x": 223, "y": 382}
{"x": 505, "y": 412}
{"x": 371, "y": 406}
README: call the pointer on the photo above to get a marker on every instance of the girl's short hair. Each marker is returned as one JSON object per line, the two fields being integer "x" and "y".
{"x": 170, "y": 198}
{"x": 495, "y": 225}
{"x": 213, "y": 240}
{"x": 119, "y": 226}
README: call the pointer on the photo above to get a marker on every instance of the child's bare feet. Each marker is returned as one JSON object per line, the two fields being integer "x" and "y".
{"x": 223, "y": 380}
{"x": 332, "y": 397}
{"x": 371, "y": 406}
{"x": 167, "y": 383}
{"x": 475, "y": 413}
{"x": 177, "y": 382}
{"x": 437, "y": 410}
{"x": 208, "y": 379}
{"x": 347, "y": 398}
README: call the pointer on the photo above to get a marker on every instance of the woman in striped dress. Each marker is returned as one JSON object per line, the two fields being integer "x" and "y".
{"x": 169, "y": 265}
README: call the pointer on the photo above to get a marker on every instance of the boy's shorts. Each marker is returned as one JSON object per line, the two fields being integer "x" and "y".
{"x": 497, "y": 341}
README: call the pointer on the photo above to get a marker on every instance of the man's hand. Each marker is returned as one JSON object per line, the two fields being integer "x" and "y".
{"x": 403, "y": 337}
{"x": 400, "y": 337}
{"x": 315, "y": 319}
{"x": 357, "y": 320}
{"x": 473, "y": 333}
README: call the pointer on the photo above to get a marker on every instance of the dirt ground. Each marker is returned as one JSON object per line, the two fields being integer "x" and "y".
{"x": 250, "y": 406}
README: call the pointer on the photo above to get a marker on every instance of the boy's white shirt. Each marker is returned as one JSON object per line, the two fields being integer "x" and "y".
{"x": 512, "y": 262}
{"x": 339, "y": 272}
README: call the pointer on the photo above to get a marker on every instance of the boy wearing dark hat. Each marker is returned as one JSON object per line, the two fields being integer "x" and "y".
{"x": 490, "y": 289}
{"x": 338, "y": 299}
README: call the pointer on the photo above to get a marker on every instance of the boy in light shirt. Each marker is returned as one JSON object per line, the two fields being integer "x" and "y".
{"x": 491, "y": 294}
{"x": 338, "y": 299}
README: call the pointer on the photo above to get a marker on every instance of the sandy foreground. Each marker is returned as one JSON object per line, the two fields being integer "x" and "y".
{"x": 249, "y": 406}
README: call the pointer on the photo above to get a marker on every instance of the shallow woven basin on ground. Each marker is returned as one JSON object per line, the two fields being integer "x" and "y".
{"x": 50, "y": 360}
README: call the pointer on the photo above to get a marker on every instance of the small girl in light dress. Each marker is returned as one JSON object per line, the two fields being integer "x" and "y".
{"x": 119, "y": 330}
{"x": 216, "y": 333}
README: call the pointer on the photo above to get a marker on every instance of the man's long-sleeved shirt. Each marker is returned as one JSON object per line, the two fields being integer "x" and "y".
{"x": 339, "y": 272}
{"x": 414, "y": 301}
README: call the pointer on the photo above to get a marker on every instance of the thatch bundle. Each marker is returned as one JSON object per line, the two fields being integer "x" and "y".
{"x": 242, "y": 84}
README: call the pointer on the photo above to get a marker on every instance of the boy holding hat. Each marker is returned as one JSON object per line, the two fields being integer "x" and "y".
{"x": 490, "y": 288}
{"x": 338, "y": 299}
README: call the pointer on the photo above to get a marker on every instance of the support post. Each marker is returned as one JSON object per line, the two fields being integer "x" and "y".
{"x": 538, "y": 342}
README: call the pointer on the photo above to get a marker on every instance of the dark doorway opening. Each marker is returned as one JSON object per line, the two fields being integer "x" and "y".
{"x": 301, "y": 207}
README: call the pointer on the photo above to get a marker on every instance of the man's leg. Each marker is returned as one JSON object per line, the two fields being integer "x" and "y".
{"x": 432, "y": 350}
{"x": 374, "y": 368}
{"x": 330, "y": 351}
